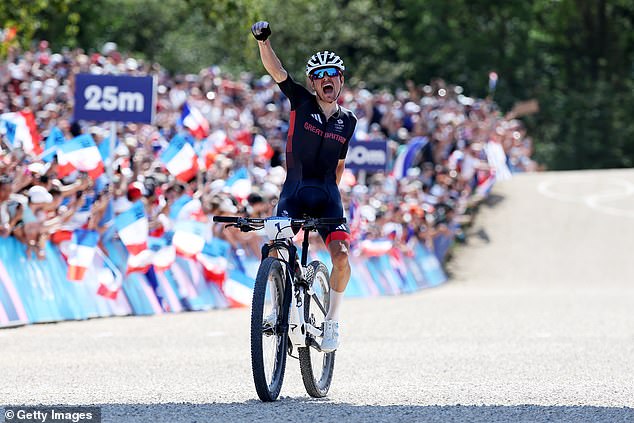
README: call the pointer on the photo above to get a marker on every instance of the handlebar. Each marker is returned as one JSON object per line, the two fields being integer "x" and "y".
{"x": 246, "y": 224}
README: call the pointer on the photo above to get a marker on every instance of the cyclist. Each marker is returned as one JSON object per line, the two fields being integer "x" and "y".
{"x": 318, "y": 137}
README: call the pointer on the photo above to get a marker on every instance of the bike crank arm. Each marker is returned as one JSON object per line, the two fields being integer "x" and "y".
{"x": 316, "y": 332}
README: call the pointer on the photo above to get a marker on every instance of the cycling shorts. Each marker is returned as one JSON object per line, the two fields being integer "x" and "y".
{"x": 314, "y": 199}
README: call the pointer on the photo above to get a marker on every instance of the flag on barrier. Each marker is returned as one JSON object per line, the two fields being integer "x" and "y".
{"x": 213, "y": 258}
{"x": 189, "y": 238}
{"x": 180, "y": 159}
{"x": 81, "y": 253}
{"x": 109, "y": 277}
{"x": 164, "y": 253}
{"x": 238, "y": 288}
{"x": 375, "y": 247}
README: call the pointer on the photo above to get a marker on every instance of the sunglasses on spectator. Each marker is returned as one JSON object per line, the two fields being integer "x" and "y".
{"x": 322, "y": 73}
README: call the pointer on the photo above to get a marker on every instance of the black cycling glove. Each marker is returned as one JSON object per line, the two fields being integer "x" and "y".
{"x": 261, "y": 30}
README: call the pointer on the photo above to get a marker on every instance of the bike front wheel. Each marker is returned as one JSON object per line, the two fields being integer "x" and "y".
{"x": 317, "y": 367}
{"x": 268, "y": 331}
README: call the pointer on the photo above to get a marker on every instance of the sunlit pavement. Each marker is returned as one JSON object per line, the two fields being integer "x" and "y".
{"x": 535, "y": 325}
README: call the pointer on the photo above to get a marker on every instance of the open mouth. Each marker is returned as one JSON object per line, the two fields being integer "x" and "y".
{"x": 328, "y": 88}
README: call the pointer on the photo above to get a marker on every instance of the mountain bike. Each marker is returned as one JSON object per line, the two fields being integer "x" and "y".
{"x": 290, "y": 303}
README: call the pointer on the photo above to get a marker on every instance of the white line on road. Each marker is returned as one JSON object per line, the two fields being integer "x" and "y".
{"x": 594, "y": 200}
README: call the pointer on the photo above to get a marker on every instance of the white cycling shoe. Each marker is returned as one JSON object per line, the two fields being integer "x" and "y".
{"x": 330, "y": 342}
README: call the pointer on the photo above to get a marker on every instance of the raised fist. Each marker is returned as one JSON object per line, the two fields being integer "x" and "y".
{"x": 261, "y": 30}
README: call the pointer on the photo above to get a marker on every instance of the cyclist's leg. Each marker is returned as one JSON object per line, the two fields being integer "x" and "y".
{"x": 337, "y": 240}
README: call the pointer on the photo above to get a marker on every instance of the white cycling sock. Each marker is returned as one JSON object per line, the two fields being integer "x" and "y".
{"x": 335, "y": 302}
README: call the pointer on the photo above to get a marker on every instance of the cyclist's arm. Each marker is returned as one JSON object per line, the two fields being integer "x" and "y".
{"x": 271, "y": 62}
{"x": 340, "y": 168}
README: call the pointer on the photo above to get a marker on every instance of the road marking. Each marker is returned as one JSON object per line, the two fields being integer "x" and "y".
{"x": 214, "y": 334}
{"x": 594, "y": 201}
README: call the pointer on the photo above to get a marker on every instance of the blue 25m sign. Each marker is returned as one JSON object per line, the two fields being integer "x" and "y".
{"x": 115, "y": 98}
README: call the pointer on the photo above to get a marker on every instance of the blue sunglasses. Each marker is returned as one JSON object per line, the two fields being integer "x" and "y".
{"x": 321, "y": 73}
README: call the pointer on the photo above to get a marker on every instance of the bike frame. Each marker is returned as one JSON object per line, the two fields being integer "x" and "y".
{"x": 295, "y": 289}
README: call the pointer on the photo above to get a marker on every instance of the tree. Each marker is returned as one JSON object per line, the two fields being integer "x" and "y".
{"x": 25, "y": 18}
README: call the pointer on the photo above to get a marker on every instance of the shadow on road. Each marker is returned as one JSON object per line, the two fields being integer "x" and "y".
{"x": 493, "y": 200}
{"x": 305, "y": 409}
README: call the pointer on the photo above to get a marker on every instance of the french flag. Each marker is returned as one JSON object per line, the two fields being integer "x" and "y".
{"x": 53, "y": 141}
{"x": 180, "y": 159}
{"x": 164, "y": 253}
{"x": 238, "y": 288}
{"x": 375, "y": 247}
{"x": 185, "y": 208}
{"x": 486, "y": 180}
{"x": 192, "y": 119}
{"x": 217, "y": 143}
{"x": 213, "y": 258}
{"x": 189, "y": 238}
{"x": 109, "y": 277}
{"x": 83, "y": 154}
{"x": 21, "y": 130}
{"x": 406, "y": 157}
{"x": 140, "y": 262}
{"x": 261, "y": 148}
{"x": 109, "y": 286}
{"x": 81, "y": 253}
{"x": 133, "y": 228}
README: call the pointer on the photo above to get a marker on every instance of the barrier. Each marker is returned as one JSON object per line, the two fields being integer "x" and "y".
{"x": 36, "y": 291}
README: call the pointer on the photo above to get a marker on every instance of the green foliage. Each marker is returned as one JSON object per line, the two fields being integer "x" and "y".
{"x": 26, "y": 18}
{"x": 574, "y": 56}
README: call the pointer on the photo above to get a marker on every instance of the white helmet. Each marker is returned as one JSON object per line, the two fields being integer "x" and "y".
{"x": 323, "y": 59}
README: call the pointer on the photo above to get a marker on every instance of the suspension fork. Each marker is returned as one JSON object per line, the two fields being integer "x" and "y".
{"x": 289, "y": 274}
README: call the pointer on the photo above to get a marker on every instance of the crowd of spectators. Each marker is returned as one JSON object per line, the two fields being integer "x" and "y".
{"x": 432, "y": 199}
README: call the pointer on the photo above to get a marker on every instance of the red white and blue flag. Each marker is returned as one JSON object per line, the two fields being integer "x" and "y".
{"x": 180, "y": 159}
{"x": 109, "y": 277}
{"x": 53, "y": 141}
{"x": 21, "y": 130}
{"x": 213, "y": 258}
{"x": 81, "y": 253}
{"x": 164, "y": 253}
{"x": 133, "y": 228}
{"x": 261, "y": 148}
{"x": 189, "y": 238}
{"x": 376, "y": 247}
{"x": 238, "y": 288}
{"x": 192, "y": 119}
{"x": 83, "y": 154}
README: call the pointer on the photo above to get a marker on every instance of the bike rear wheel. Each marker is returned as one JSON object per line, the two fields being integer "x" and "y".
{"x": 268, "y": 330}
{"x": 317, "y": 367}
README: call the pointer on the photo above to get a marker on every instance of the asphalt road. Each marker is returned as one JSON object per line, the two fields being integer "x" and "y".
{"x": 536, "y": 324}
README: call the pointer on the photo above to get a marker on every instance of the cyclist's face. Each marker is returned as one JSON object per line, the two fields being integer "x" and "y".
{"x": 328, "y": 88}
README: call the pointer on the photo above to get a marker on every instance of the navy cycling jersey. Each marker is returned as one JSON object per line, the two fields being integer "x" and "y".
{"x": 315, "y": 145}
